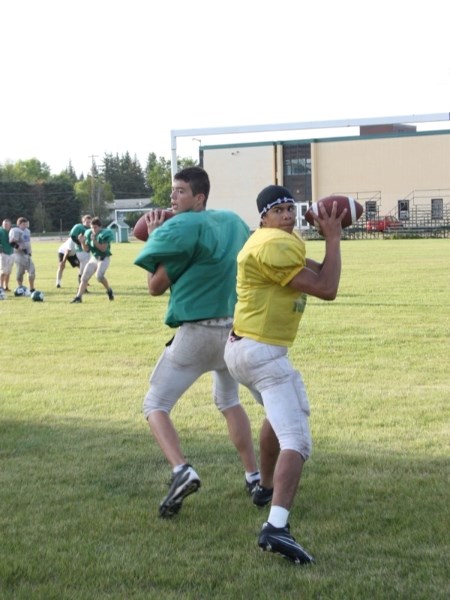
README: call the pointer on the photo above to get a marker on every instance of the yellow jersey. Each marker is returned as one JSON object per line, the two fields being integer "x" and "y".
{"x": 267, "y": 309}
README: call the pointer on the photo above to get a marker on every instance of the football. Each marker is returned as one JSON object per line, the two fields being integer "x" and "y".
{"x": 37, "y": 296}
{"x": 140, "y": 230}
{"x": 354, "y": 209}
{"x": 21, "y": 290}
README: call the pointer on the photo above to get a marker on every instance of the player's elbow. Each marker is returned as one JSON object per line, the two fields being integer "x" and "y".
{"x": 154, "y": 289}
{"x": 327, "y": 292}
{"x": 154, "y": 292}
{"x": 330, "y": 296}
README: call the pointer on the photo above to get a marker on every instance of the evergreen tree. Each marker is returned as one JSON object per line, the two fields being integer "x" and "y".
{"x": 125, "y": 176}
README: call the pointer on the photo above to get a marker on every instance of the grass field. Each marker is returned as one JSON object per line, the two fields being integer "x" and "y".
{"x": 81, "y": 478}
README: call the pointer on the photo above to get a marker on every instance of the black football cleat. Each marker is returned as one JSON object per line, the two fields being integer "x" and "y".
{"x": 182, "y": 484}
{"x": 280, "y": 541}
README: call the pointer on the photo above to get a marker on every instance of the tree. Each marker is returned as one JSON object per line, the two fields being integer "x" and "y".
{"x": 68, "y": 173}
{"x": 159, "y": 177}
{"x": 54, "y": 203}
{"x": 16, "y": 200}
{"x": 32, "y": 171}
{"x": 60, "y": 205}
{"x": 125, "y": 176}
{"x": 50, "y": 206}
{"x": 93, "y": 194}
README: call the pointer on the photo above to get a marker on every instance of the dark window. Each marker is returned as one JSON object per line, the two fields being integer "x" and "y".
{"x": 297, "y": 170}
{"x": 371, "y": 209}
{"x": 403, "y": 210}
{"x": 437, "y": 208}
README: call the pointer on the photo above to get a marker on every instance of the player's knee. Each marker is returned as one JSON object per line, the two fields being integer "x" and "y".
{"x": 300, "y": 442}
{"x": 152, "y": 404}
{"x": 225, "y": 403}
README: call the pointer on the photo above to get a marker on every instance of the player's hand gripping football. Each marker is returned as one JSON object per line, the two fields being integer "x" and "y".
{"x": 329, "y": 225}
{"x": 154, "y": 219}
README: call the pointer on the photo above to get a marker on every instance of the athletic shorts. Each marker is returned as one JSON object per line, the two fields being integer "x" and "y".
{"x": 72, "y": 260}
{"x": 6, "y": 263}
{"x": 95, "y": 265}
{"x": 197, "y": 348}
{"x": 267, "y": 372}
{"x": 24, "y": 264}
{"x": 83, "y": 259}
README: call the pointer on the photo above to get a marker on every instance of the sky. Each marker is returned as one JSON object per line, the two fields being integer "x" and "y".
{"x": 85, "y": 78}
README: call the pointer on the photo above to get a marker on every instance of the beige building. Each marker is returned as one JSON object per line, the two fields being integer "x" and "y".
{"x": 390, "y": 169}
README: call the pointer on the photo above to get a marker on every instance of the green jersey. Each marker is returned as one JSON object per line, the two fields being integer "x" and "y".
{"x": 104, "y": 236}
{"x": 198, "y": 251}
{"x": 76, "y": 230}
{"x": 5, "y": 246}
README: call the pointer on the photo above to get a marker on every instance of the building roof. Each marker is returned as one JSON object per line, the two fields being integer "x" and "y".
{"x": 130, "y": 203}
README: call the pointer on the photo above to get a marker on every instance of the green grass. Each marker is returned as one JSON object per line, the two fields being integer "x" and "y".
{"x": 81, "y": 478}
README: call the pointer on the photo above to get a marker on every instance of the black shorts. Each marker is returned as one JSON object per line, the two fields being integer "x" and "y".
{"x": 73, "y": 260}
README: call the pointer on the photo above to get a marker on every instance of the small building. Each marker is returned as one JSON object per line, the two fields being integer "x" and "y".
{"x": 121, "y": 230}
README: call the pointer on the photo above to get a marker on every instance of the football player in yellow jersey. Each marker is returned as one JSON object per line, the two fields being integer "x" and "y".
{"x": 273, "y": 281}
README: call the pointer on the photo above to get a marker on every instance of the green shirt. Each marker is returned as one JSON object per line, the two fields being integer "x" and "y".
{"x": 75, "y": 232}
{"x": 102, "y": 237}
{"x": 198, "y": 251}
{"x": 5, "y": 246}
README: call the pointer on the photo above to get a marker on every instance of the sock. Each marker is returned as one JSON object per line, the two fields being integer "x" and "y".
{"x": 178, "y": 468}
{"x": 251, "y": 477}
{"x": 278, "y": 516}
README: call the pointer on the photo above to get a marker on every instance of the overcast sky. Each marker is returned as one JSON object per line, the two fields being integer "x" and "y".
{"x": 88, "y": 77}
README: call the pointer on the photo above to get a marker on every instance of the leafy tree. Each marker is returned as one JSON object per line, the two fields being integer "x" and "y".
{"x": 49, "y": 206}
{"x": 159, "y": 177}
{"x": 40, "y": 220}
{"x": 16, "y": 200}
{"x": 60, "y": 205}
{"x": 32, "y": 171}
{"x": 54, "y": 203}
{"x": 93, "y": 194}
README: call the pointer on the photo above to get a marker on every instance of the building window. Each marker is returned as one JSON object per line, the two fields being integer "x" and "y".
{"x": 297, "y": 166}
{"x": 403, "y": 210}
{"x": 297, "y": 170}
{"x": 371, "y": 209}
{"x": 437, "y": 208}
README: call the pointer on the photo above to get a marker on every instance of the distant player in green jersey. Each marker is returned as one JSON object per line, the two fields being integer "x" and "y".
{"x": 78, "y": 231}
{"x": 97, "y": 240}
{"x": 6, "y": 255}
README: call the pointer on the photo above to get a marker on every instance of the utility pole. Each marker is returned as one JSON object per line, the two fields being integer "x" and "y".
{"x": 92, "y": 157}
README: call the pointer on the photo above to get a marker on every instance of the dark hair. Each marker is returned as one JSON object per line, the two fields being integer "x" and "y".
{"x": 197, "y": 178}
{"x": 96, "y": 221}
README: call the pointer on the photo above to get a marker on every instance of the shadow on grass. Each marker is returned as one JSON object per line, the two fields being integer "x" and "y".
{"x": 79, "y": 520}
